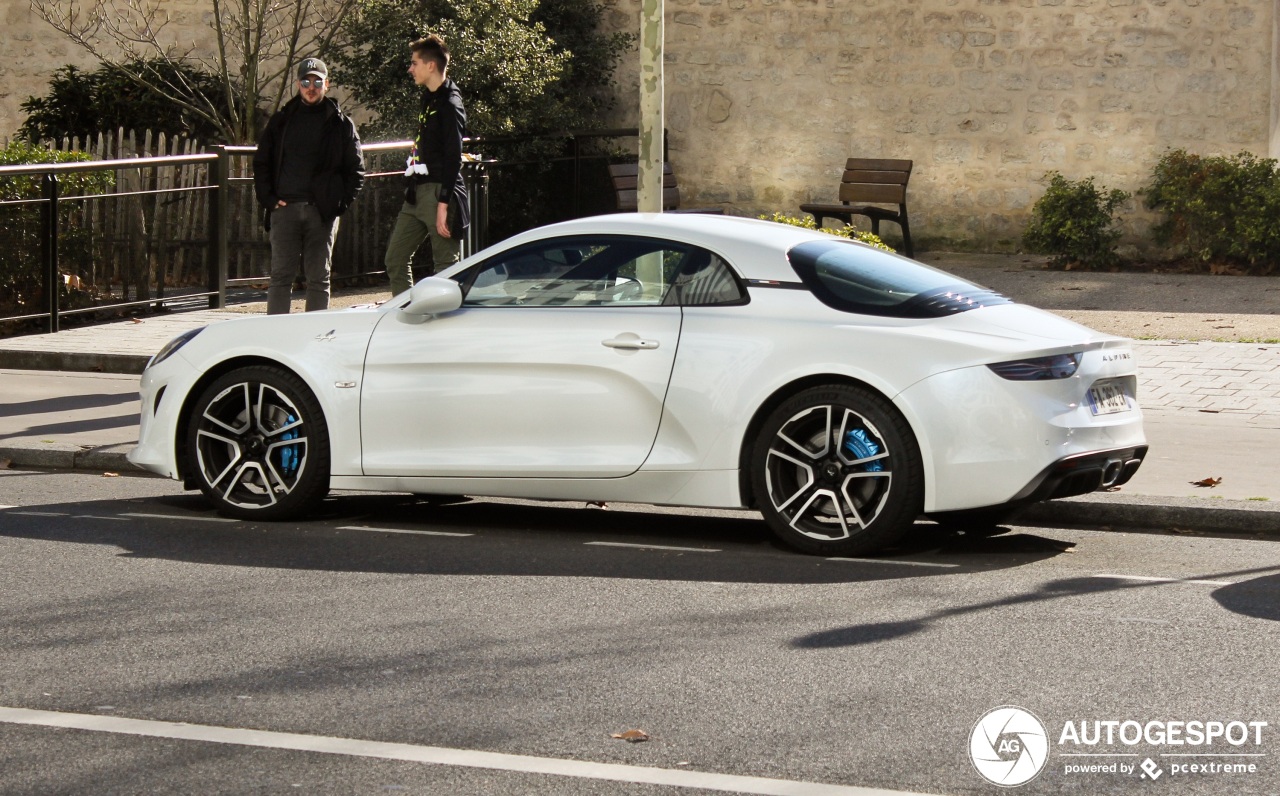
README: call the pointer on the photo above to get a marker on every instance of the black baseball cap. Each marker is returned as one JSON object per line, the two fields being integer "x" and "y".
{"x": 313, "y": 66}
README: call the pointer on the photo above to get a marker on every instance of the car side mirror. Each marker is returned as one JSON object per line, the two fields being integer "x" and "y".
{"x": 432, "y": 296}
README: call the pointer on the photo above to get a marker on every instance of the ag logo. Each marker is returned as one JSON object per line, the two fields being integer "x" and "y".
{"x": 1008, "y": 746}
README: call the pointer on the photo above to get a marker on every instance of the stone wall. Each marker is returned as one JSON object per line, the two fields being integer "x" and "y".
{"x": 29, "y": 52}
{"x": 766, "y": 98}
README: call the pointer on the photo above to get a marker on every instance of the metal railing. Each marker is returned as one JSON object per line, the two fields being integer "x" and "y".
{"x": 174, "y": 231}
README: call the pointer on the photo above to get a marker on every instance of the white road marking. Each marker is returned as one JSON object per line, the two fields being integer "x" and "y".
{"x": 466, "y": 758}
{"x": 8, "y": 507}
{"x": 100, "y": 517}
{"x": 896, "y": 561}
{"x": 400, "y": 530}
{"x": 655, "y": 547}
{"x": 41, "y": 513}
{"x": 184, "y": 517}
{"x": 1166, "y": 580}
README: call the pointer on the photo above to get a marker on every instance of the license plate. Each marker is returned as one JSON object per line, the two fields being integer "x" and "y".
{"x": 1108, "y": 397}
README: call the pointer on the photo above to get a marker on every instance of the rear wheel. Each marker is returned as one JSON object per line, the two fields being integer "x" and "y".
{"x": 836, "y": 471}
{"x": 257, "y": 444}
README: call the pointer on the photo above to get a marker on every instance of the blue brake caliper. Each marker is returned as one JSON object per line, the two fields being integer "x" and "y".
{"x": 289, "y": 453}
{"x": 859, "y": 446}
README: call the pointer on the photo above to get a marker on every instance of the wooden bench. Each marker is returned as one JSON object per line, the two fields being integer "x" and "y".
{"x": 867, "y": 184}
{"x": 625, "y": 178}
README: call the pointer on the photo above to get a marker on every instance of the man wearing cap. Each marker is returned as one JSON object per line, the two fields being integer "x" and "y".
{"x": 307, "y": 171}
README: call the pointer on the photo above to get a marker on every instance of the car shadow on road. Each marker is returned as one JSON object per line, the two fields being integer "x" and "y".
{"x": 403, "y": 535}
{"x": 1255, "y": 598}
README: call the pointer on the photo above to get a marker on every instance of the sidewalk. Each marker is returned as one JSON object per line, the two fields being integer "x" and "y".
{"x": 1212, "y": 407}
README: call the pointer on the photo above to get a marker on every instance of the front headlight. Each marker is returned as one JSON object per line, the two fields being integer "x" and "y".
{"x": 174, "y": 345}
{"x": 1058, "y": 366}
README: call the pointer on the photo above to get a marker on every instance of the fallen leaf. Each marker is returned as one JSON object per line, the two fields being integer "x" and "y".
{"x": 4, "y": 463}
{"x": 136, "y": 320}
{"x": 111, "y": 475}
{"x": 632, "y": 736}
{"x": 598, "y": 504}
{"x": 1209, "y": 482}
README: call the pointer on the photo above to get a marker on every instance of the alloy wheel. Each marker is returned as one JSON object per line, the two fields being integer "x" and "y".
{"x": 251, "y": 445}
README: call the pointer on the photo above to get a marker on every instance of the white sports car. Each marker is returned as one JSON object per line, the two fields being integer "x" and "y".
{"x": 685, "y": 360}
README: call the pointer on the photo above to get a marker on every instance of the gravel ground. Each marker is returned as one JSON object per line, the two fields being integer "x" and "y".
{"x": 1139, "y": 305}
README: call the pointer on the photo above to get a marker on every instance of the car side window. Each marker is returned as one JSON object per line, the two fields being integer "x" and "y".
{"x": 706, "y": 280}
{"x": 579, "y": 271}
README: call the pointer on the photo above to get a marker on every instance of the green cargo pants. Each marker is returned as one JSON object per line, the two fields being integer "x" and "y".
{"x": 414, "y": 224}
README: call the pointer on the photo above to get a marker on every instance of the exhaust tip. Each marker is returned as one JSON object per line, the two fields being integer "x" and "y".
{"x": 1111, "y": 473}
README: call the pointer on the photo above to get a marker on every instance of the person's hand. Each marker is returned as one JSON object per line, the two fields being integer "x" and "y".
{"x": 442, "y": 219}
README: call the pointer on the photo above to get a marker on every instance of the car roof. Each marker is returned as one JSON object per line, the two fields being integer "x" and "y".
{"x": 757, "y": 248}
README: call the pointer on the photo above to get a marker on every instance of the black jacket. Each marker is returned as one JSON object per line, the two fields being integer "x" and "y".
{"x": 339, "y": 174}
{"x": 442, "y": 122}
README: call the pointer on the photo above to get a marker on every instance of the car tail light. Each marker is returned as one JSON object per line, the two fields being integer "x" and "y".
{"x": 1058, "y": 366}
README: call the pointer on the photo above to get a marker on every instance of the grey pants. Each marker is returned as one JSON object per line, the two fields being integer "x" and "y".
{"x": 300, "y": 239}
{"x": 414, "y": 224}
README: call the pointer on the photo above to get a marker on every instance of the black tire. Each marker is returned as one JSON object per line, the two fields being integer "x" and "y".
{"x": 258, "y": 446}
{"x": 836, "y": 471}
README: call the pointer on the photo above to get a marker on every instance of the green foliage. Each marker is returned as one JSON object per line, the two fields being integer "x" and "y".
{"x": 1219, "y": 210}
{"x": 81, "y": 103}
{"x": 1074, "y": 222}
{"x": 847, "y": 231}
{"x": 21, "y": 269}
{"x": 525, "y": 67}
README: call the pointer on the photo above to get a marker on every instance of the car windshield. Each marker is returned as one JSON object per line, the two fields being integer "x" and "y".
{"x": 853, "y": 277}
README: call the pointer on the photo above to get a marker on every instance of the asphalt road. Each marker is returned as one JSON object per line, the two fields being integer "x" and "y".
{"x": 537, "y": 631}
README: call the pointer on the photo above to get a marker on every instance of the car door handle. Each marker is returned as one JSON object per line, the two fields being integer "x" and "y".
{"x": 630, "y": 342}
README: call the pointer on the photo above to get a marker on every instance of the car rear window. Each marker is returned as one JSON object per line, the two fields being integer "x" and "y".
{"x": 853, "y": 277}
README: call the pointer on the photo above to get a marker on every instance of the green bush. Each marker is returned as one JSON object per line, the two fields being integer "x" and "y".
{"x": 847, "y": 231}
{"x": 1218, "y": 210}
{"x": 1074, "y": 222}
{"x": 526, "y": 68}
{"x": 21, "y": 267}
{"x": 83, "y": 104}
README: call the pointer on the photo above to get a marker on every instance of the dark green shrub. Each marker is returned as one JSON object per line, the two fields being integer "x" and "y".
{"x": 526, "y": 68}
{"x": 1218, "y": 210}
{"x": 1074, "y": 222}
{"x": 847, "y": 231}
{"x": 21, "y": 268}
{"x": 83, "y": 104}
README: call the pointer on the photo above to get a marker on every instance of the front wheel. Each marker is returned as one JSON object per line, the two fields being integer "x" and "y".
{"x": 257, "y": 444}
{"x": 836, "y": 471}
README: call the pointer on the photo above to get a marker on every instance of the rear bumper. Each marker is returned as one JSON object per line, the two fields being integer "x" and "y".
{"x": 1083, "y": 473}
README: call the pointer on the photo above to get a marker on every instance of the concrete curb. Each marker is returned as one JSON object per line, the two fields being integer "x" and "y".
{"x": 1143, "y": 512}
{"x": 15, "y": 359}
{"x": 61, "y": 456}
{"x": 1101, "y": 511}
